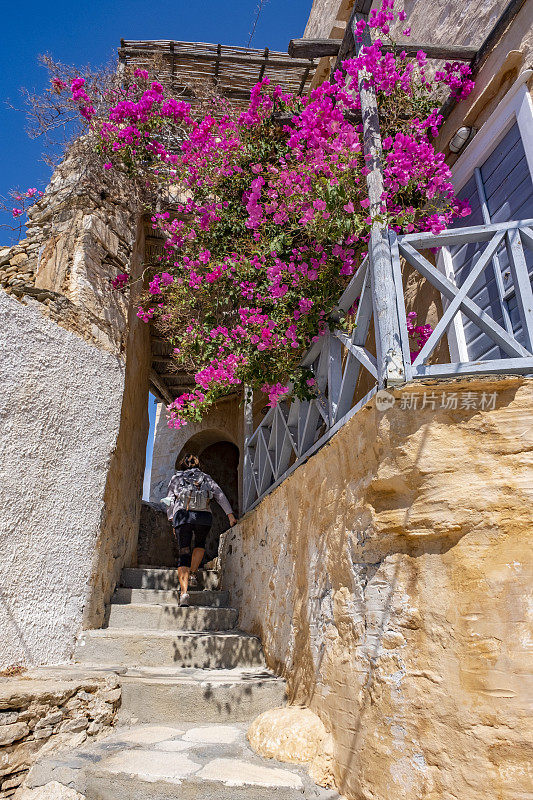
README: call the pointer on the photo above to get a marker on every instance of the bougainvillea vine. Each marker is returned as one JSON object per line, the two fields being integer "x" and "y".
{"x": 267, "y": 221}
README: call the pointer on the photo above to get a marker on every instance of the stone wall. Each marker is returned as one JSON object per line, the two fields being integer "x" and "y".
{"x": 155, "y": 548}
{"x": 79, "y": 235}
{"x": 390, "y": 580}
{"x": 446, "y": 22}
{"x": 74, "y": 413}
{"x": 116, "y": 545}
{"x": 39, "y": 715}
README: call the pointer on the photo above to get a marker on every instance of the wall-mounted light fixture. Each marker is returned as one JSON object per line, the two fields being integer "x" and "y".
{"x": 461, "y": 138}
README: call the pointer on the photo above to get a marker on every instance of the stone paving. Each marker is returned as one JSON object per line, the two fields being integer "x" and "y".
{"x": 158, "y": 762}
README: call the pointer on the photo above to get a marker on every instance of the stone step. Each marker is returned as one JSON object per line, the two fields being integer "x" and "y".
{"x": 216, "y": 599}
{"x": 153, "y": 578}
{"x": 116, "y": 646}
{"x": 175, "y": 696}
{"x": 171, "y": 618}
{"x": 190, "y": 762}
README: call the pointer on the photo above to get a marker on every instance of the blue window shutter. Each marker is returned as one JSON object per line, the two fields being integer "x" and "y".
{"x": 506, "y": 184}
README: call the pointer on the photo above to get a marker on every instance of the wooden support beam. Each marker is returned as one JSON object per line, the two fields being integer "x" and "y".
{"x": 173, "y": 64}
{"x": 217, "y": 63}
{"x": 160, "y": 386}
{"x": 354, "y": 117}
{"x": 362, "y": 7}
{"x": 177, "y": 377}
{"x": 162, "y": 359}
{"x": 390, "y": 358}
{"x": 313, "y": 48}
{"x": 286, "y": 119}
{"x": 263, "y": 65}
{"x": 303, "y": 81}
{"x": 318, "y": 48}
{"x": 225, "y": 58}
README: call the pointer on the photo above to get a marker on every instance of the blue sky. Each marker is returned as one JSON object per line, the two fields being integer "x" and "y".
{"x": 90, "y": 33}
{"x": 149, "y": 446}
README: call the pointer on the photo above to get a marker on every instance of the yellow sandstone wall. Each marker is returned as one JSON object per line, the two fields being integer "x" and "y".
{"x": 390, "y": 579}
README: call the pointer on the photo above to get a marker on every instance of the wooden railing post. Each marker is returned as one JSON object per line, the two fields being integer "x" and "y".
{"x": 248, "y": 429}
{"x": 390, "y": 358}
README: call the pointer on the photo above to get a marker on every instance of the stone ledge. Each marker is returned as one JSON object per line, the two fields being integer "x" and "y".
{"x": 40, "y": 714}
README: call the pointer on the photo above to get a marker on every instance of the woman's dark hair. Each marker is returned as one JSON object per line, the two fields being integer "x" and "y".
{"x": 188, "y": 461}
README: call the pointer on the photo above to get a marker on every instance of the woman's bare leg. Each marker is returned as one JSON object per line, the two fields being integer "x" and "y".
{"x": 183, "y": 577}
{"x": 197, "y": 555}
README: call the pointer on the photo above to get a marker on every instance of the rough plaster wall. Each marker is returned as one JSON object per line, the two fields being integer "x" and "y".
{"x": 390, "y": 579}
{"x": 82, "y": 232}
{"x": 512, "y": 55}
{"x": 321, "y": 19}
{"x": 434, "y": 22}
{"x": 469, "y": 23}
{"x": 60, "y": 410}
{"x": 445, "y": 22}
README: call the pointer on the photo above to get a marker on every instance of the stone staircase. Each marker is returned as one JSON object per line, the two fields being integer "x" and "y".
{"x": 191, "y": 683}
{"x": 179, "y": 663}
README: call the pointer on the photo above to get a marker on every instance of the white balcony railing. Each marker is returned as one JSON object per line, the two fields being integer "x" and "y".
{"x": 346, "y": 368}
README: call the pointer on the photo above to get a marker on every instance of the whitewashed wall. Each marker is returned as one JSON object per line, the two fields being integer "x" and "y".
{"x": 60, "y": 410}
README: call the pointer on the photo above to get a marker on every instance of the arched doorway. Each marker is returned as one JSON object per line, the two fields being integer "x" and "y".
{"x": 219, "y": 457}
{"x": 221, "y": 461}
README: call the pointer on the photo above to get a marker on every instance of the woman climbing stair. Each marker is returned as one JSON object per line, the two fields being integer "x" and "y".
{"x": 190, "y": 493}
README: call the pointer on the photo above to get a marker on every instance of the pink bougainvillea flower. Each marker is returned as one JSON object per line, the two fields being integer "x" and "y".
{"x": 120, "y": 281}
{"x": 256, "y": 255}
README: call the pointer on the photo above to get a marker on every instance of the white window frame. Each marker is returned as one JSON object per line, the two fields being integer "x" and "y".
{"x": 515, "y": 107}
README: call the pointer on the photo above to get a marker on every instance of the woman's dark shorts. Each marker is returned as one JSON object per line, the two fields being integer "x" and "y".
{"x": 186, "y": 525}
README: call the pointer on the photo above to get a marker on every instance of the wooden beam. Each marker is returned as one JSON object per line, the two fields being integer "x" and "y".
{"x": 217, "y": 63}
{"x": 313, "y": 48}
{"x": 354, "y": 117}
{"x": 286, "y": 119}
{"x": 362, "y": 7}
{"x": 319, "y": 48}
{"x": 177, "y": 377}
{"x": 263, "y": 65}
{"x": 161, "y": 387}
{"x": 173, "y": 65}
{"x": 390, "y": 357}
{"x": 194, "y": 55}
{"x": 303, "y": 81}
{"x": 498, "y": 366}
{"x": 162, "y": 359}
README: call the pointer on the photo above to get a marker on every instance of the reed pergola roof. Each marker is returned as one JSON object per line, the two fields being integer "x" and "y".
{"x": 228, "y": 70}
